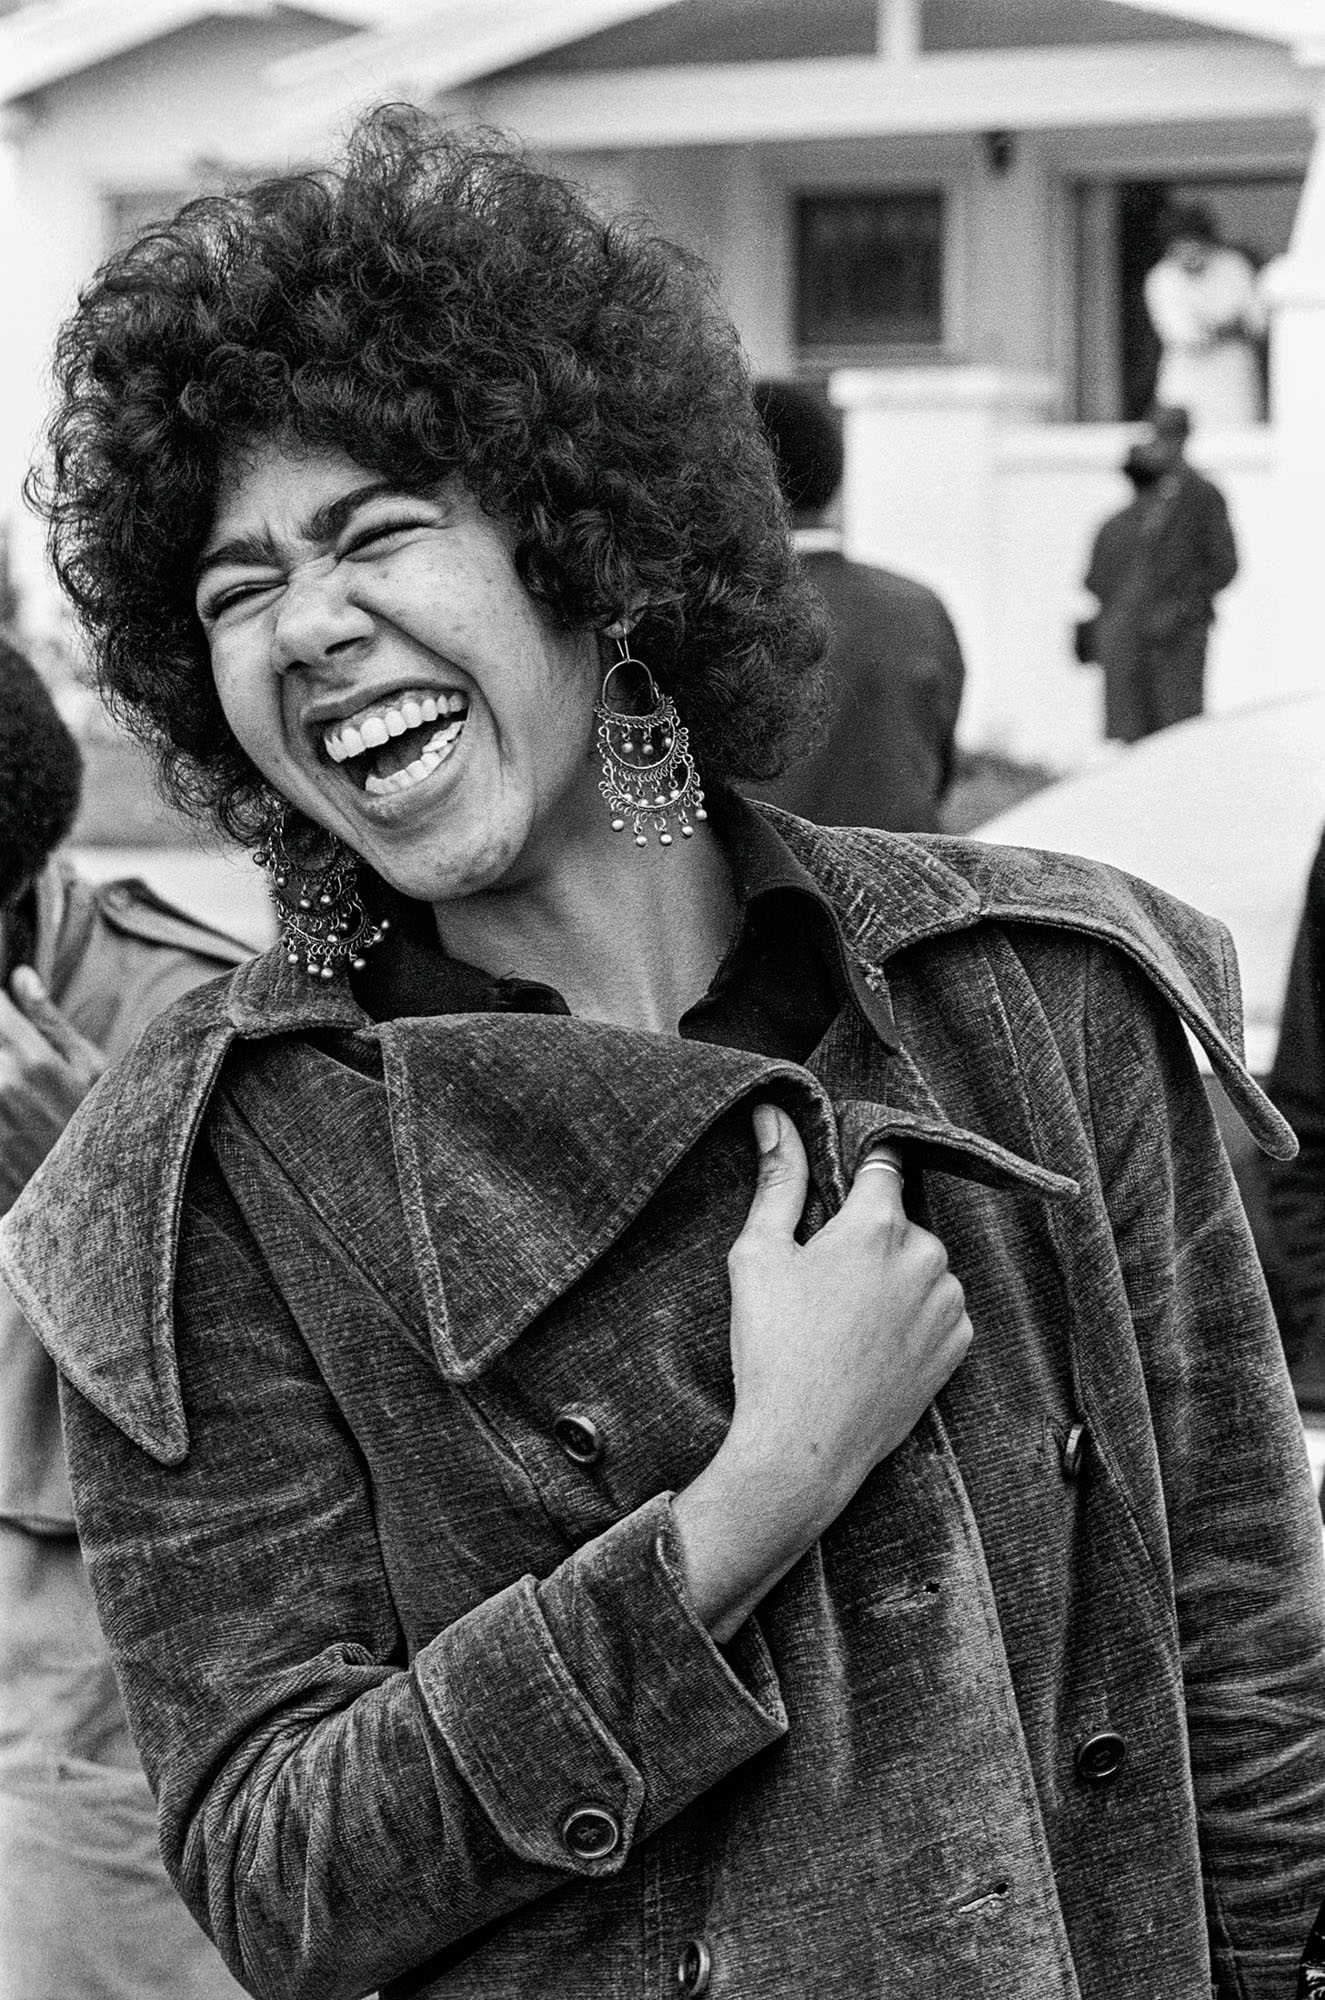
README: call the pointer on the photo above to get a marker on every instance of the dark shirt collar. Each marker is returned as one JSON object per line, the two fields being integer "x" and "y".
{"x": 788, "y": 964}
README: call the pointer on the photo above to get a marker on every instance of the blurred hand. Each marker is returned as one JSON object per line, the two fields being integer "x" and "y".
{"x": 838, "y": 1346}
{"x": 46, "y": 1070}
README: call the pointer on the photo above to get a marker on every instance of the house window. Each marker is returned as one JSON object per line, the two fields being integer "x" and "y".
{"x": 870, "y": 270}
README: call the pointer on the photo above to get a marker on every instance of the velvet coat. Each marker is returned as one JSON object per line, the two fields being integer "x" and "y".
{"x": 385, "y": 1345}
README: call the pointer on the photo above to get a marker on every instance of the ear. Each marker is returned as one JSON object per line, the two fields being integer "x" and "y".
{"x": 628, "y": 620}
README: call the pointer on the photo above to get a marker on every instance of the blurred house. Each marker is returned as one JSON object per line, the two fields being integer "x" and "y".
{"x": 942, "y": 209}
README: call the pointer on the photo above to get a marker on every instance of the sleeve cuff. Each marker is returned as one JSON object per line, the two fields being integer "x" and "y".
{"x": 585, "y": 1711}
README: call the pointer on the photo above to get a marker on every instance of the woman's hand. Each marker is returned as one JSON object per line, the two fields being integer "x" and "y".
{"x": 838, "y": 1345}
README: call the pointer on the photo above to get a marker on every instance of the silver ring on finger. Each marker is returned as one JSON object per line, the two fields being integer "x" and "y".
{"x": 874, "y": 1164}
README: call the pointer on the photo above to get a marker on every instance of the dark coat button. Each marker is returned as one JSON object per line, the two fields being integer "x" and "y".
{"x": 1100, "y": 1757}
{"x": 591, "y": 1832}
{"x": 1075, "y": 1446}
{"x": 579, "y": 1436}
{"x": 694, "y": 1967}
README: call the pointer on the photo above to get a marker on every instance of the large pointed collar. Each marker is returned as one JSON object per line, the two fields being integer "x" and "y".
{"x": 106, "y": 1312}
{"x": 892, "y": 892}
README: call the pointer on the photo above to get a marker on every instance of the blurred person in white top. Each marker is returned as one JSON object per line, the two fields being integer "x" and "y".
{"x": 1204, "y": 303}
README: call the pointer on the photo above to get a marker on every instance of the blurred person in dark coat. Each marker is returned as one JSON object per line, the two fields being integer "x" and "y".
{"x": 886, "y": 755}
{"x": 86, "y": 1911}
{"x": 1296, "y": 1188}
{"x": 1156, "y": 568}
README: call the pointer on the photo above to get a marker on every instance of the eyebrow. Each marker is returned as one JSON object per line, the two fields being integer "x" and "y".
{"x": 322, "y": 525}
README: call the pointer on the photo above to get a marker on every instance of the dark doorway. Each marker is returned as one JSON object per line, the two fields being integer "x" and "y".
{"x": 1142, "y": 206}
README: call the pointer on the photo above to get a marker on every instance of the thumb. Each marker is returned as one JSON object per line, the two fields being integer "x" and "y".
{"x": 35, "y": 1003}
{"x": 784, "y": 1173}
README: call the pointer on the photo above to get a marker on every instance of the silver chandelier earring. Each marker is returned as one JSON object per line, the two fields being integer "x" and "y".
{"x": 324, "y": 925}
{"x": 649, "y": 775}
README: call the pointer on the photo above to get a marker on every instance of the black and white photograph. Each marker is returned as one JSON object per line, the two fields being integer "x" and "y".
{"x": 662, "y": 999}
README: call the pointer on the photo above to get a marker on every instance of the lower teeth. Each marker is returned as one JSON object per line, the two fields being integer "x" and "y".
{"x": 435, "y": 751}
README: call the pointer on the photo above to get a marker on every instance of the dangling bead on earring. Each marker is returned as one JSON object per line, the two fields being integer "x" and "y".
{"x": 649, "y": 776}
{"x": 323, "y": 923}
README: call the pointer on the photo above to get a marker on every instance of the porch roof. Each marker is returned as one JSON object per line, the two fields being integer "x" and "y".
{"x": 539, "y": 70}
{"x": 1274, "y": 20}
{"x": 45, "y": 41}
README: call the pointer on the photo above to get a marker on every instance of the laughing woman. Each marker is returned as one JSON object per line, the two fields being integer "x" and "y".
{"x": 556, "y": 1528}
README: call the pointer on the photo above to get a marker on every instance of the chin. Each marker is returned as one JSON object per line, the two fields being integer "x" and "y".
{"x": 472, "y": 867}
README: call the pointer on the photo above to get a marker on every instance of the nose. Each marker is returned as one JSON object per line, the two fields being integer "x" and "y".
{"x": 317, "y": 622}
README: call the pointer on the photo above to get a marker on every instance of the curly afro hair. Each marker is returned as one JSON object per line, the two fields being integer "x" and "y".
{"x": 433, "y": 306}
{"x": 41, "y": 773}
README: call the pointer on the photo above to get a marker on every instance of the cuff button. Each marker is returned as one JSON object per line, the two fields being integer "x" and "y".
{"x": 591, "y": 1833}
{"x": 694, "y": 1967}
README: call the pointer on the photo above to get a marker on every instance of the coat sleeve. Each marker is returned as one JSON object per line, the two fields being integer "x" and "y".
{"x": 1218, "y": 548}
{"x": 1243, "y": 1528}
{"x": 334, "y": 1813}
{"x": 1098, "y": 579}
{"x": 1296, "y": 1188}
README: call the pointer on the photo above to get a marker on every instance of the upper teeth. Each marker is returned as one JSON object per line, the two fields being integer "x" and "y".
{"x": 370, "y": 727}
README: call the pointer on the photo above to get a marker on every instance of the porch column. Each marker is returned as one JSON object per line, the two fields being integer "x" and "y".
{"x": 1294, "y": 656}
{"x": 921, "y": 496}
{"x": 897, "y": 30}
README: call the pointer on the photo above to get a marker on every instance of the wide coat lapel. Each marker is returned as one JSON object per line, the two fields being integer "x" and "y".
{"x": 526, "y": 1145}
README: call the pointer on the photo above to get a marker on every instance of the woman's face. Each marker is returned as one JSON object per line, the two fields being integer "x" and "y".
{"x": 380, "y": 662}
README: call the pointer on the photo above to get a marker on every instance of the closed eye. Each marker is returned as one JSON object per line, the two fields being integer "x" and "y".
{"x": 214, "y": 605}
{"x": 371, "y": 534}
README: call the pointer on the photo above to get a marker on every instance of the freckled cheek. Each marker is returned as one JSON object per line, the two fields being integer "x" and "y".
{"x": 438, "y": 608}
{"x": 228, "y": 694}
{"x": 251, "y": 702}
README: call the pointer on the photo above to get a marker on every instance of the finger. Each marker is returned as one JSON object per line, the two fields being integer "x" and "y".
{"x": 878, "y": 1181}
{"x": 35, "y": 1003}
{"x": 784, "y": 1173}
{"x": 18, "y": 1034}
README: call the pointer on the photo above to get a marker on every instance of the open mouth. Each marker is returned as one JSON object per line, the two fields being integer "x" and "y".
{"x": 393, "y": 745}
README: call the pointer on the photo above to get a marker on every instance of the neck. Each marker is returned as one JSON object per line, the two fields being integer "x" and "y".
{"x": 813, "y": 541}
{"x": 626, "y": 934}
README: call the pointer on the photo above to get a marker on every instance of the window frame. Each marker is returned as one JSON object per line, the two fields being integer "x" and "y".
{"x": 818, "y": 357}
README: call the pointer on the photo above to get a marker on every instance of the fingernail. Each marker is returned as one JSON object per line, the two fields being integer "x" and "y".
{"x": 767, "y": 1131}
{"x": 25, "y": 985}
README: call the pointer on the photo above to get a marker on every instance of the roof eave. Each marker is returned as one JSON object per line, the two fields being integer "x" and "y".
{"x": 44, "y": 45}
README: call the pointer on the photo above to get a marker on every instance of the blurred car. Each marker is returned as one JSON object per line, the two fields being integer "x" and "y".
{"x": 1226, "y": 812}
